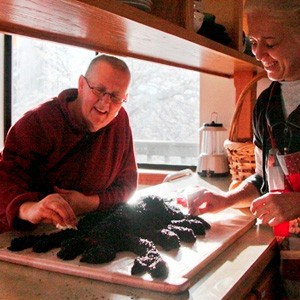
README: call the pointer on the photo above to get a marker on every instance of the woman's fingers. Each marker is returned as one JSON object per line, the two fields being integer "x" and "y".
{"x": 268, "y": 208}
{"x": 207, "y": 202}
{"x": 194, "y": 201}
{"x": 257, "y": 205}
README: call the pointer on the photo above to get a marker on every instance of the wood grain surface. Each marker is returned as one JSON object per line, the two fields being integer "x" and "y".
{"x": 183, "y": 263}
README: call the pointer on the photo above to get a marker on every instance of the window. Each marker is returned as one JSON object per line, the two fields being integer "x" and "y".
{"x": 164, "y": 113}
{"x": 41, "y": 70}
{"x": 163, "y": 102}
{"x": 1, "y": 91}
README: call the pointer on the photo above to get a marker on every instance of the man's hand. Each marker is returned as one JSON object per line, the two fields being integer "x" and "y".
{"x": 79, "y": 202}
{"x": 52, "y": 209}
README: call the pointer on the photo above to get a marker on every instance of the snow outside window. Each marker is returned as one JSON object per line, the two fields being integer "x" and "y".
{"x": 163, "y": 103}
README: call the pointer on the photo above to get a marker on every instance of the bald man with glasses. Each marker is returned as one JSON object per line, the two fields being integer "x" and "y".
{"x": 71, "y": 155}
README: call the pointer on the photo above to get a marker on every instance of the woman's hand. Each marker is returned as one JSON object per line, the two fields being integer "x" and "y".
{"x": 79, "y": 202}
{"x": 52, "y": 209}
{"x": 207, "y": 202}
{"x": 274, "y": 208}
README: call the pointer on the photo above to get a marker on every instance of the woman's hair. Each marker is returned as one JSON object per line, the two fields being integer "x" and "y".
{"x": 286, "y": 12}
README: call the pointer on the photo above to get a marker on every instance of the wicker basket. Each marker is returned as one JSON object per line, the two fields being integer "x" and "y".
{"x": 241, "y": 159}
{"x": 241, "y": 153}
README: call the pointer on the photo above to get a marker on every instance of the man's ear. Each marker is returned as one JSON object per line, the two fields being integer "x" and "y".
{"x": 80, "y": 82}
{"x": 126, "y": 97}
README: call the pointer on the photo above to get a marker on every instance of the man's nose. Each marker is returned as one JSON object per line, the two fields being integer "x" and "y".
{"x": 105, "y": 97}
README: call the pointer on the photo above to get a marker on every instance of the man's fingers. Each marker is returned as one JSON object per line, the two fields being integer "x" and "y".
{"x": 51, "y": 217}
{"x": 60, "y": 212}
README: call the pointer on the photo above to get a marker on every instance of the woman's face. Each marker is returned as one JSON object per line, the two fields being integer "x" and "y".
{"x": 276, "y": 46}
{"x": 99, "y": 111}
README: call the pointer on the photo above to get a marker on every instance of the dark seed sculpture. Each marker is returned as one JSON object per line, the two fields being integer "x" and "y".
{"x": 137, "y": 228}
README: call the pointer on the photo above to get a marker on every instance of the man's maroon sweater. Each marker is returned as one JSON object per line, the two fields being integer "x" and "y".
{"x": 48, "y": 148}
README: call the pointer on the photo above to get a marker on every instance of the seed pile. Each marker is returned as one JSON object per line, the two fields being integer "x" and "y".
{"x": 136, "y": 228}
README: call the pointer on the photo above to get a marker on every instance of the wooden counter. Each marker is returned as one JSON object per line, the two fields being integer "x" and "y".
{"x": 230, "y": 275}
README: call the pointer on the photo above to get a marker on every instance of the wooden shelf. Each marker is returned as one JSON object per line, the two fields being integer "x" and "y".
{"x": 116, "y": 28}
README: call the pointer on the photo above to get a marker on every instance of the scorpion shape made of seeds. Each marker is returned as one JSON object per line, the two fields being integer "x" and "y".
{"x": 136, "y": 228}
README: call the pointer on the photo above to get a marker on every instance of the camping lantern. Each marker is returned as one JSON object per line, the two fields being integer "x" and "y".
{"x": 212, "y": 160}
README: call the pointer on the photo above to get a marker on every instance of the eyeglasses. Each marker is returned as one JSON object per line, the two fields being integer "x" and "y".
{"x": 101, "y": 92}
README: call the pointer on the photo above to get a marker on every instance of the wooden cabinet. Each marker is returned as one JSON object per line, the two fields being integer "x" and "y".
{"x": 165, "y": 35}
{"x": 228, "y": 13}
{"x": 179, "y": 12}
{"x": 268, "y": 285}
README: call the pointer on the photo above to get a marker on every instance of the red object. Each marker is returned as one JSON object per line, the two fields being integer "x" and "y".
{"x": 282, "y": 229}
{"x": 294, "y": 180}
{"x": 182, "y": 201}
{"x": 290, "y": 164}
